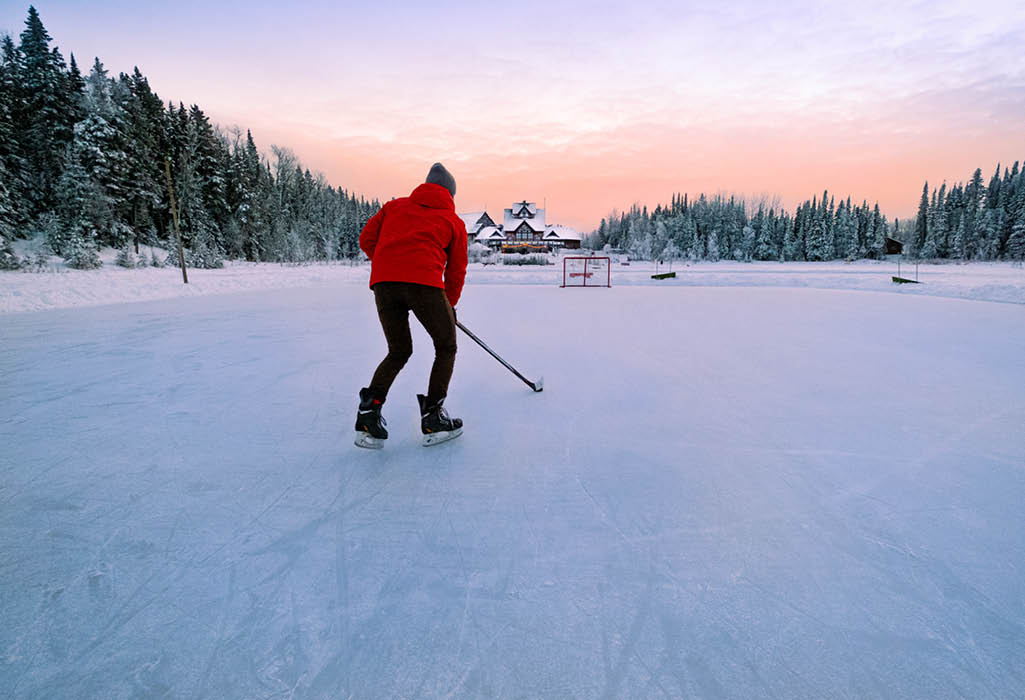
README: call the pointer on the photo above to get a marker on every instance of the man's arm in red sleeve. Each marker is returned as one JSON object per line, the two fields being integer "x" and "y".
{"x": 455, "y": 269}
{"x": 368, "y": 236}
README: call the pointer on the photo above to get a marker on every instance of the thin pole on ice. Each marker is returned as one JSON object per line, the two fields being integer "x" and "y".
{"x": 174, "y": 216}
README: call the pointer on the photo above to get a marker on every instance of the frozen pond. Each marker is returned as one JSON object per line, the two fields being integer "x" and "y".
{"x": 722, "y": 492}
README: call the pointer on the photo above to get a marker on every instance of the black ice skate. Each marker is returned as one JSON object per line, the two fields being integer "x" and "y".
{"x": 435, "y": 423}
{"x": 370, "y": 430}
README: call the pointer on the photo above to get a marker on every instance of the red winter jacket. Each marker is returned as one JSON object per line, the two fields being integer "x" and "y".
{"x": 418, "y": 239}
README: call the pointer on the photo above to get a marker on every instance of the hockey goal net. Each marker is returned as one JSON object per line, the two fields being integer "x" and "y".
{"x": 586, "y": 272}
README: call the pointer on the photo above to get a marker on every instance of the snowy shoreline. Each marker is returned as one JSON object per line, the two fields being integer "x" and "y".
{"x": 61, "y": 288}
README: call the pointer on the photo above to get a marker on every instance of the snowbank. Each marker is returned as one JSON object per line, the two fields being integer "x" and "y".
{"x": 60, "y": 287}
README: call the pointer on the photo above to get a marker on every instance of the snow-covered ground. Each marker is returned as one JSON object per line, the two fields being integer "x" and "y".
{"x": 724, "y": 491}
{"x": 59, "y": 287}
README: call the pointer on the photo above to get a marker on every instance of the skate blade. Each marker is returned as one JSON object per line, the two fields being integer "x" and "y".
{"x": 438, "y": 438}
{"x": 368, "y": 441}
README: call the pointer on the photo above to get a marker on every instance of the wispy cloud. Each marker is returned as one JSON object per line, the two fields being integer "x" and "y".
{"x": 598, "y": 104}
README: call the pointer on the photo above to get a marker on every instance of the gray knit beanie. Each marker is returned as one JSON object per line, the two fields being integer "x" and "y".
{"x": 440, "y": 176}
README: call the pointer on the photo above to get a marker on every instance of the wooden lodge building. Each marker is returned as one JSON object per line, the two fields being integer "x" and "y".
{"x": 523, "y": 229}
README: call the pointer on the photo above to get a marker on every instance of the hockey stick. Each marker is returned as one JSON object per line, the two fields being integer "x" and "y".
{"x": 539, "y": 385}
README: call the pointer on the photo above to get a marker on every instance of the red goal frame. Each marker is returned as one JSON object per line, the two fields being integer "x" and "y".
{"x": 586, "y": 276}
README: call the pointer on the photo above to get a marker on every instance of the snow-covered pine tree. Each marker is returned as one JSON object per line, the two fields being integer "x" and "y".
{"x": 601, "y": 236}
{"x": 72, "y": 189}
{"x": 688, "y": 234}
{"x": 42, "y": 117}
{"x": 198, "y": 230}
{"x": 176, "y": 122}
{"x": 15, "y": 214}
{"x": 762, "y": 225}
{"x": 989, "y": 233}
{"x": 125, "y": 257}
{"x": 846, "y": 239}
{"x": 660, "y": 240}
{"x": 1005, "y": 205}
{"x": 671, "y": 253}
{"x": 877, "y": 244}
{"x": 8, "y": 259}
{"x": 107, "y": 99}
{"x": 792, "y": 247}
{"x": 144, "y": 131}
{"x": 734, "y": 220}
{"x": 818, "y": 245}
{"x": 746, "y": 250}
{"x": 210, "y": 157}
{"x": 831, "y": 221}
{"x": 74, "y": 88}
{"x": 975, "y": 191}
{"x": 8, "y": 215}
{"x": 940, "y": 223}
{"x": 82, "y": 253}
{"x": 929, "y": 250}
{"x": 960, "y": 245}
{"x": 1016, "y": 240}
{"x": 640, "y": 241}
{"x": 255, "y": 182}
{"x": 975, "y": 196}
{"x": 993, "y": 199}
{"x": 92, "y": 186}
{"x": 921, "y": 224}
{"x": 233, "y": 189}
{"x": 712, "y": 254}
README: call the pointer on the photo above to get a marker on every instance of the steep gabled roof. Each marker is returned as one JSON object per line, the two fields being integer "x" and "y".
{"x": 523, "y": 209}
{"x": 536, "y": 219}
{"x": 470, "y": 219}
{"x": 490, "y": 232}
{"x": 476, "y": 220}
{"x": 564, "y": 233}
{"x": 532, "y": 224}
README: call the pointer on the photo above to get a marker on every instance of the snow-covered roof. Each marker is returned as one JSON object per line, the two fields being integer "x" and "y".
{"x": 524, "y": 209}
{"x": 473, "y": 222}
{"x": 470, "y": 219}
{"x": 536, "y": 220}
{"x": 491, "y": 232}
{"x": 532, "y": 224}
{"x": 563, "y": 232}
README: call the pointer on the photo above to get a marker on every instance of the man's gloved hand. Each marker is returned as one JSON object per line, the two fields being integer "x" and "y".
{"x": 454, "y": 318}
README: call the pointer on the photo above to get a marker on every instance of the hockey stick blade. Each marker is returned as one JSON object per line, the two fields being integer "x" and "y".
{"x": 536, "y": 386}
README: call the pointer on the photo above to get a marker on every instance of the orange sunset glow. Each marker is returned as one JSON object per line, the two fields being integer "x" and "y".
{"x": 591, "y": 107}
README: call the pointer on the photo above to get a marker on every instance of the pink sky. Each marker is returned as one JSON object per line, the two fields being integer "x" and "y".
{"x": 592, "y": 106}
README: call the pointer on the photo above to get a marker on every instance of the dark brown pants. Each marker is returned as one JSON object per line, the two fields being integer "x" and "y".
{"x": 430, "y": 306}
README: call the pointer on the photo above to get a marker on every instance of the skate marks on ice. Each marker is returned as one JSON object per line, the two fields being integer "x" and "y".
{"x": 232, "y": 542}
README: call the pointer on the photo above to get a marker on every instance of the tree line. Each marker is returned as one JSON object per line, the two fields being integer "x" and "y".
{"x": 82, "y": 163}
{"x": 964, "y": 222}
{"x": 973, "y": 220}
{"x": 721, "y": 228}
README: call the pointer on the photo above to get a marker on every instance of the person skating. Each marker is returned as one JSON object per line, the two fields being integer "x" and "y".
{"x": 417, "y": 249}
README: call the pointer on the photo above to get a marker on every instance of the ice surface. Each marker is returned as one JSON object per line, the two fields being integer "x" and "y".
{"x": 730, "y": 492}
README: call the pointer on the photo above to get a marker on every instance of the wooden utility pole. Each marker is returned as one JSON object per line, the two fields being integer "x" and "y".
{"x": 174, "y": 215}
